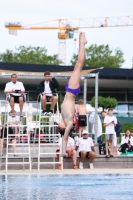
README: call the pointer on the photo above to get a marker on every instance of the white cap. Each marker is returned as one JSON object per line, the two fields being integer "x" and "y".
{"x": 85, "y": 132}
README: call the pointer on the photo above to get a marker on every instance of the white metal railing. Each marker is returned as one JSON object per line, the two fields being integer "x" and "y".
{"x": 52, "y": 153}
{"x": 2, "y": 108}
{"x": 20, "y": 127}
{"x": 31, "y": 125}
{"x": 20, "y": 145}
{"x": 49, "y": 126}
{"x": 34, "y": 125}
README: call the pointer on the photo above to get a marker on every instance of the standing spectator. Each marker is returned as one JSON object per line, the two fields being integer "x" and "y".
{"x": 82, "y": 111}
{"x": 47, "y": 89}
{"x": 16, "y": 91}
{"x": 118, "y": 129}
{"x": 70, "y": 151}
{"x": 104, "y": 114}
{"x": 110, "y": 122}
{"x": 86, "y": 149}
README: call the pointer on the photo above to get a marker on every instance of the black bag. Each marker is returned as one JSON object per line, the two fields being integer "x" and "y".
{"x": 118, "y": 128}
{"x": 102, "y": 149}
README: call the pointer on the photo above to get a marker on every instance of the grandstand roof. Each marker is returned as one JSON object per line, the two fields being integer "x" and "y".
{"x": 105, "y": 73}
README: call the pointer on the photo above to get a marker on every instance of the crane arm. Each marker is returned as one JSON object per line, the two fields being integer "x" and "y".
{"x": 65, "y": 24}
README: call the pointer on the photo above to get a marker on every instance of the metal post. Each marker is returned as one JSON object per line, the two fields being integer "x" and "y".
{"x": 85, "y": 90}
{"x": 96, "y": 106}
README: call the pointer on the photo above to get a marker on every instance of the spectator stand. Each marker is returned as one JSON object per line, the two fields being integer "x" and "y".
{"x": 46, "y": 148}
{"x": 21, "y": 126}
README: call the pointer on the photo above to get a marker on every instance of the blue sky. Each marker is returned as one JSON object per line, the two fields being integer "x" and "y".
{"x": 35, "y": 11}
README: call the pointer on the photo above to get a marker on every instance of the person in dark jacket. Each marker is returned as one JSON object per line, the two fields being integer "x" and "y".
{"x": 47, "y": 89}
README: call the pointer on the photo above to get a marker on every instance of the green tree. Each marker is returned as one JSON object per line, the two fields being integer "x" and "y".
{"x": 101, "y": 56}
{"x": 30, "y": 55}
{"x": 105, "y": 103}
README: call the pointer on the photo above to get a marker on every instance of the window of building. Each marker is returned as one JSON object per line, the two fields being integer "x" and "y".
{"x": 2, "y": 95}
{"x": 122, "y": 110}
{"x": 130, "y": 96}
{"x": 130, "y": 108}
{"x": 32, "y": 96}
{"x": 118, "y": 96}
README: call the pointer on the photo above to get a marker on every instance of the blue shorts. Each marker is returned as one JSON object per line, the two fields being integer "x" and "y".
{"x": 75, "y": 92}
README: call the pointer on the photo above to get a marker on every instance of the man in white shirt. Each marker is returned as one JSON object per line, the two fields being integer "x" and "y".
{"x": 15, "y": 90}
{"x": 110, "y": 122}
{"x": 70, "y": 151}
{"x": 86, "y": 149}
{"x": 47, "y": 89}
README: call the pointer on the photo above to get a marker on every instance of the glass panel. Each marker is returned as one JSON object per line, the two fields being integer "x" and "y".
{"x": 130, "y": 96}
{"x": 90, "y": 96}
{"x": 122, "y": 110}
{"x": 2, "y": 95}
{"x": 30, "y": 87}
{"x": 118, "y": 96}
{"x": 130, "y": 90}
{"x": 130, "y": 108}
{"x": 2, "y": 87}
{"x": 111, "y": 90}
{"x": 35, "y": 108}
{"x": 32, "y": 96}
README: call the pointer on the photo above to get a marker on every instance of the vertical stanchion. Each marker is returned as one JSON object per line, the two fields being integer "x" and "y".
{"x": 85, "y": 91}
{"x": 96, "y": 107}
{"x": 39, "y": 144}
{"x": 7, "y": 150}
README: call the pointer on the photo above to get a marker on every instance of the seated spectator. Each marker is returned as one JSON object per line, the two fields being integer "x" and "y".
{"x": 47, "y": 89}
{"x": 70, "y": 151}
{"x": 82, "y": 111}
{"x": 86, "y": 149}
{"x": 11, "y": 139}
{"x": 16, "y": 92}
{"x": 14, "y": 121}
{"x": 127, "y": 142}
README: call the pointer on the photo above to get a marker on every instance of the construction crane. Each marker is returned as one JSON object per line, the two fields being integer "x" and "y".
{"x": 68, "y": 27}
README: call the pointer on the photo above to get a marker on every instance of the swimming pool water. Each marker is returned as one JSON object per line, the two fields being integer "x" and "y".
{"x": 66, "y": 187}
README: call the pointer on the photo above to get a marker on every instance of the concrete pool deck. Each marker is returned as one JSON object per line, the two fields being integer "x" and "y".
{"x": 68, "y": 171}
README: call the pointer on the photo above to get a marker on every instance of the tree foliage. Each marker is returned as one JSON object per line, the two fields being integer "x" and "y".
{"x": 29, "y": 55}
{"x": 101, "y": 56}
{"x": 105, "y": 103}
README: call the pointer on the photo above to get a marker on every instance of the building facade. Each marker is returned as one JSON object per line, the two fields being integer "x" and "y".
{"x": 117, "y": 83}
